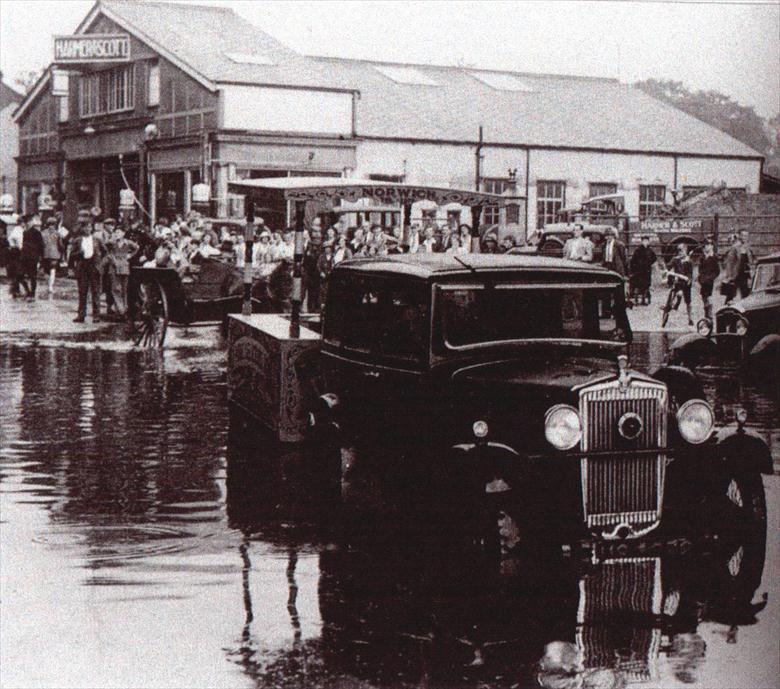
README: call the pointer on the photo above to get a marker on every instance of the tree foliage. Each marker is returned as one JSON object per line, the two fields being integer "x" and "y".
{"x": 716, "y": 109}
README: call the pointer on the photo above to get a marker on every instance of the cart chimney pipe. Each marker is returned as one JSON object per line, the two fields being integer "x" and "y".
{"x": 249, "y": 241}
{"x": 476, "y": 213}
{"x": 297, "y": 289}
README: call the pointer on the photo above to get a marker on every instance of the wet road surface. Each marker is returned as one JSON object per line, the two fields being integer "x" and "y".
{"x": 143, "y": 544}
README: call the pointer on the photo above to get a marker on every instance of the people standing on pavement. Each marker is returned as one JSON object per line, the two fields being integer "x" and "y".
{"x": 578, "y": 247}
{"x": 641, "y": 267}
{"x": 709, "y": 269}
{"x": 615, "y": 256}
{"x": 682, "y": 267}
{"x": 14, "y": 260}
{"x": 733, "y": 266}
{"x": 106, "y": 268}
{"x": 311, "y": 273}
{"x": 52, "y": 251}
{"x": 32, "y": 252}
{"x": 87, "y": 253}
{"x": 120, "y": 249}
{"x": 747, "y": 265}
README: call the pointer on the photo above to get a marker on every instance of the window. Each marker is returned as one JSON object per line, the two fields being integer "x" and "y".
{"x": 153, "y": 87}
{"x": 550, "y": 197}
{"x": 651, "y": 199}
{"x": 499, "y": 313}
{"x": 502, "y": 81}
{"x": 249, "y": 58}
{"x": 405, "y": 75}
{"x": 112, "y": 90}
{"x": 492, "y": 186}
{"x": 381, "y": 317}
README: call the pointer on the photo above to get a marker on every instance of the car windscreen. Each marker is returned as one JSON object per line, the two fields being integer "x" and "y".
{"x": 483, "y": 314}
{"x": 767, "y": 276}
{"x": 378, "y": 315}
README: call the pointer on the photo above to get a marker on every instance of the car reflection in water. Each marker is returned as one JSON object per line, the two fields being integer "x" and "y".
{"x": 401, "y": 602}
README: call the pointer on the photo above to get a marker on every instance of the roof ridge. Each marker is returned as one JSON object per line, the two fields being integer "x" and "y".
{"x": 464, "y": 68}
{"x": 159, "y": 3}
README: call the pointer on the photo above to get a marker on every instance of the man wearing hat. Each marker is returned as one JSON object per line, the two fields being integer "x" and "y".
{"x": 87, "y": 254}
{"x": 32, "y": 251}
{"x": 641, "y": 265}
{"x": 52, "y": 245}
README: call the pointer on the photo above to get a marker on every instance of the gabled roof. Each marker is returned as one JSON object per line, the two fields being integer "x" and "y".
{"x": 211, "y": 42}
{"x": 550, "y": 110}
{"x": 31, "y": 96}
{"x": 8, "y": 95}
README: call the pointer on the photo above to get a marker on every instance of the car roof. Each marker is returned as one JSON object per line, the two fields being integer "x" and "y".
{"x": 435, "y": 266}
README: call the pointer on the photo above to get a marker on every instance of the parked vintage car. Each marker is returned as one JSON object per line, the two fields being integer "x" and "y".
{"x": 503, "y": 381}
{"x": 747, "y": 330}
{"x": 551, "y": 240}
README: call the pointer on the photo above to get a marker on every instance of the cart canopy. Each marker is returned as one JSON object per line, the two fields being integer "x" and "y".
{"x": 333, "y": 190}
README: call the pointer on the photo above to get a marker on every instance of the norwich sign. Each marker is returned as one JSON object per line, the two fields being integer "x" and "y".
{"x": 91, "y": 48}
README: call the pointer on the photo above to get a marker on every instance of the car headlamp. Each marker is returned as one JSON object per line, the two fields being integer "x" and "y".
{"x": 695, "y": 421}
{"x": 741, "y": 327}
{"x": 562, "y": 427}
{"x": 704, "y": 327}
{"x": 480, "y": 429}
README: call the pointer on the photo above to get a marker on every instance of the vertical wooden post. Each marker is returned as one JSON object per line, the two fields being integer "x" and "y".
{"x": 476, "y": 214}
{"x": 406, "y": 227}
{"x": 297, "y": 289}
{"x": 716, "y": 233}
{"x": 249, "y": 242}
{"x": 478, "y": 167}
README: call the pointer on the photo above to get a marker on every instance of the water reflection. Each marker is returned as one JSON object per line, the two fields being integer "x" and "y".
{"x": 149, "y": 540}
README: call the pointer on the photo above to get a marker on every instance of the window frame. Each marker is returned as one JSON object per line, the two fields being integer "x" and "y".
{"x": 647, "y": 208}
{"x": 490, "y": 211}
{"x": 546, "y": 204}
{"x": 104, "y": 93}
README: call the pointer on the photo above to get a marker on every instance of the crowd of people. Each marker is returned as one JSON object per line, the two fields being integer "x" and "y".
{"x": 100, "y": 253}
{"x": 735, "y": 270}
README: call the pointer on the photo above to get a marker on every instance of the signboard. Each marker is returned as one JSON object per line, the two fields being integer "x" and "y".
{"x": 672, "y": 225}
{"x": 59, "y": 82}
{"x": 91, "y": 48}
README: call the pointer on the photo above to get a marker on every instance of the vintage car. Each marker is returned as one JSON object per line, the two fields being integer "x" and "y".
{"x": 551, "y": 240}
{"x": 502, "y": 382}
{"x": 747, "y": 330}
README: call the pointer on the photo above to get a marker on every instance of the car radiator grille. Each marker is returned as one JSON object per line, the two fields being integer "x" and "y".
{"x": 624, "y": 487}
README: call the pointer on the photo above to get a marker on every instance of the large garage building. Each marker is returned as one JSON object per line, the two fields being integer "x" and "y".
{"x": 158, "y": 97}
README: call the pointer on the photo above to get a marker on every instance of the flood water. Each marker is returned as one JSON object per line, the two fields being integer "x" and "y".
{"x": 144, "y": 544}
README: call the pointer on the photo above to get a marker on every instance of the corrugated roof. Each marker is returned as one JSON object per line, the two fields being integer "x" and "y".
{"x": 554, "y": 110}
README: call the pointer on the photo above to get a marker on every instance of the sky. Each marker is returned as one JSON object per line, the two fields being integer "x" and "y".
{"x": 731, "y": 47}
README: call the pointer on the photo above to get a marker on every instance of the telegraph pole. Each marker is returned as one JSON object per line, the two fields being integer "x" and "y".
{"x": 478, "y": 175}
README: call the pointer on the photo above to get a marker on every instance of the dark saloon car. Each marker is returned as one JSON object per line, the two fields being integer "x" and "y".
{"x": 502, "y": 382}
{"x": 747, "y": 330}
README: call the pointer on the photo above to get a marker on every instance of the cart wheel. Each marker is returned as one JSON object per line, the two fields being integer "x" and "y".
{"x": 149, "y": 315}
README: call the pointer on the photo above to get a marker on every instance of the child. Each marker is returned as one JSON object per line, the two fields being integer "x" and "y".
{"x": 709, "y": 269}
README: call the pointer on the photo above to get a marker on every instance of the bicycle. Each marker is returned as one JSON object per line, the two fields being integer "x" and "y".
{"x": 675, "y": 296}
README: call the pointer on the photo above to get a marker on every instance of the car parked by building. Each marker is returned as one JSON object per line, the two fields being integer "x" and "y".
{"x": 502, "y": 383}
{"x": 744, "y": 331}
